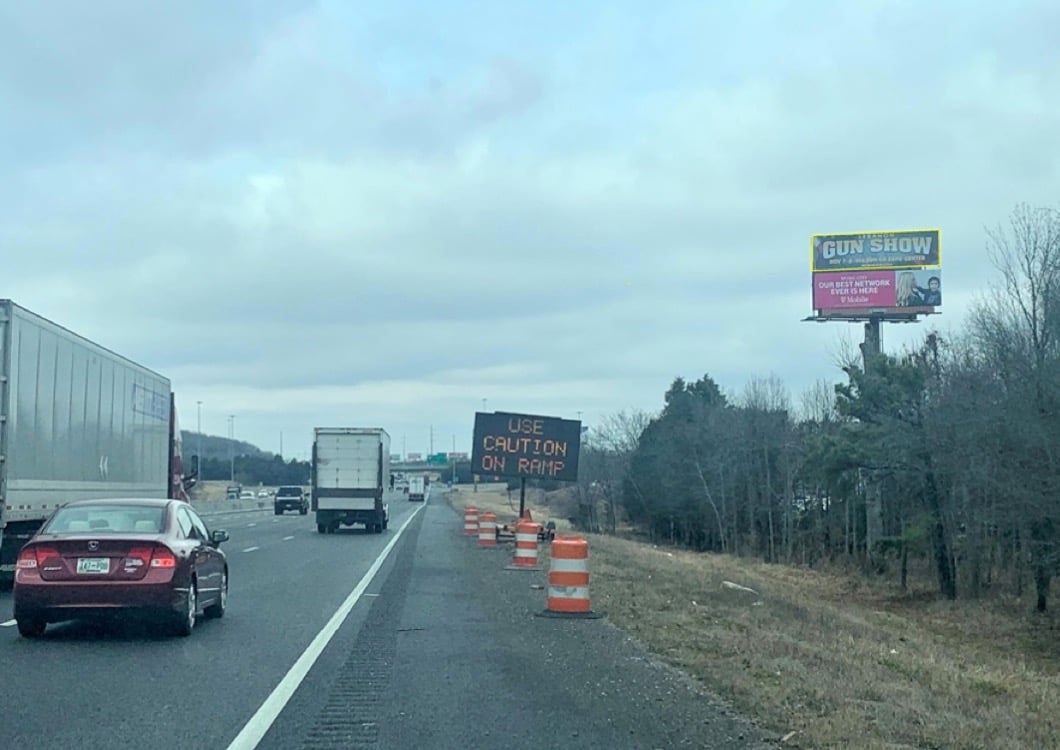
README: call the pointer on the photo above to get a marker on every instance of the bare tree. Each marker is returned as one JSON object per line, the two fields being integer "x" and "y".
{"x": 613, "y": 442}
{"x": 1018, "y": 328}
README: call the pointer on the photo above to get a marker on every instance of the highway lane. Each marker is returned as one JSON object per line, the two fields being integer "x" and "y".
{"x": 451, "y": 654}
{"x": 129, "y": 686}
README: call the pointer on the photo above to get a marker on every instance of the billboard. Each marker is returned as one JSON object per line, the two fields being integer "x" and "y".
{"x": 911, "y": 248}
{"x": 413, "y": 456}
{"x": 457, "y": 456}
{"x": 525, "y": 445}
{"x": 891, "y": 290}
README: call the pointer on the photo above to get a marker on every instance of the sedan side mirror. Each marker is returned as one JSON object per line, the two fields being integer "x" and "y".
{"x": 218, "y": 536}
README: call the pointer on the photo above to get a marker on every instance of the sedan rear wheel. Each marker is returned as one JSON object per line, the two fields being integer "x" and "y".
{"x": 186, "y": 619}
{"x": 31, "y": 627}
{"x": 217, "y": 609}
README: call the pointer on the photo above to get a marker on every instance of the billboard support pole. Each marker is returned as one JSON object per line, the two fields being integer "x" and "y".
{"x": 870, "y": 348}
{"x": 522, "y": 496}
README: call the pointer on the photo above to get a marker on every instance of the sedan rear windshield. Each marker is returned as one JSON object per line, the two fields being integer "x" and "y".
{"x": 106, "y": 519}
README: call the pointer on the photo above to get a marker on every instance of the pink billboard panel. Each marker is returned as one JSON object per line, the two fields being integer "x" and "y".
{"x": 896, "y": 290}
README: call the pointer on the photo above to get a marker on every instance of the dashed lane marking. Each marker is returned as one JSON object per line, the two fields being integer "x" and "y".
{"x": 251, "y": 549}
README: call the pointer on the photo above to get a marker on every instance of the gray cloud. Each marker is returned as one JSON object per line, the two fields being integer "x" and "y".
{"x": 262, "y": 204}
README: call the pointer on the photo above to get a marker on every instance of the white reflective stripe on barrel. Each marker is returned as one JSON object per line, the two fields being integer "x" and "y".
{"x": 568, "y": 592}
{"x": 564, "y": 565}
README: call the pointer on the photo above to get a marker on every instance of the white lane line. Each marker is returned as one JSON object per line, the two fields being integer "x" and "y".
{"x": 288, "y": 538}
{"x": 251, "y": 525}
{"x": 8, "y": 624}
{"x": 251, "y": 549}
{"x": 255, "y": 729}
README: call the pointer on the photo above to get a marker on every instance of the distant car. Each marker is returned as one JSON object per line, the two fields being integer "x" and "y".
{"x": 246, "y": 495}
{"x": 232, "y": 493}
{"x": 290, "y": 497}
{"x": 263, "y": 493}
{"x": 121, "y": 556}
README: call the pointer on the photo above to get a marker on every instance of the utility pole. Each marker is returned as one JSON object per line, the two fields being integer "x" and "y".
{"x": 281, "y": 443}
{"x": 232, "y": 448}
{"x": 198, "y": 429}
{"x": 431, "y": 451}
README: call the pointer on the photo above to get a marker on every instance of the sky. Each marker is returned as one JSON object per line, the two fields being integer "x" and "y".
{"x": 393, "y": 215}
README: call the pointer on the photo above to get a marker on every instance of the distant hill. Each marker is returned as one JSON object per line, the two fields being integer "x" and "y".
{"x": 218, "y": 447}
{"x": 251, "y": 465}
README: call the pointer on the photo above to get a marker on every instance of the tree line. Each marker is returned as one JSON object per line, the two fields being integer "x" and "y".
{"x": 266, "y": 469}
{"x": 944, "y": 458}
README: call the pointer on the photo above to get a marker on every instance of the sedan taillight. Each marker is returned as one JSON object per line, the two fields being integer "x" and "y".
{"x": 32, "y": 558}
{"x": 138, "y": 557}
{"x": 163, "y": 558}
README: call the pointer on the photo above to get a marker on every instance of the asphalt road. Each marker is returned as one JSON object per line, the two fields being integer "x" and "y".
{"x": 441, "y": 649}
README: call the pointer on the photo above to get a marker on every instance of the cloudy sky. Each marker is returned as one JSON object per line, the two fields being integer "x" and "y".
{"x": 383, "y": 214}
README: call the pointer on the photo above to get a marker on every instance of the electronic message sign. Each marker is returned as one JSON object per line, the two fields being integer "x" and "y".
{"x": 525, "y": 445}
{"x": 912, "y": 248}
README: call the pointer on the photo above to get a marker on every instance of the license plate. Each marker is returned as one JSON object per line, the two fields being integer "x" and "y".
{"x": 93, "y": 565}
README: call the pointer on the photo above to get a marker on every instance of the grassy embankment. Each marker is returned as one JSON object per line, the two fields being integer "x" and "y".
{"x": 830, "y": 660}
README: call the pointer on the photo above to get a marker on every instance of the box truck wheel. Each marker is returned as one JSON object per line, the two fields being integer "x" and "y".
{"x": 322, "y": 528}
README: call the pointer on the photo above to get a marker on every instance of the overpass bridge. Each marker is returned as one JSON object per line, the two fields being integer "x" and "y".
{"x": 421, "y": 466}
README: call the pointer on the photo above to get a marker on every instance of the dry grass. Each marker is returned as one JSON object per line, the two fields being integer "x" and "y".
{"x": 494, "y": 497}
{"x": 840, "y": 663}
{"x": 209, "y": 491}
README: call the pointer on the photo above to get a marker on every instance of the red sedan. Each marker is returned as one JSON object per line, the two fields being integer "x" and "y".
{"x": 99, "y": 557}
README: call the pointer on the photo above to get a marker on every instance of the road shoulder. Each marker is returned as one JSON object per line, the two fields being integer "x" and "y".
{"x": 473, "y": 664}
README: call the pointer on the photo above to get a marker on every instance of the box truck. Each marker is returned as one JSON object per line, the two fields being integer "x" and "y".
{"x": 418, "y": 488}
{"x": 351, "y": 470}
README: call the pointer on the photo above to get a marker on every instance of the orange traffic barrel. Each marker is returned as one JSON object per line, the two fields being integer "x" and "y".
{"x": 471, "y": 521}
{"x": 568, "y": 578}
{"x": 487, "y": 529}
{"x": 525, "y": 556}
